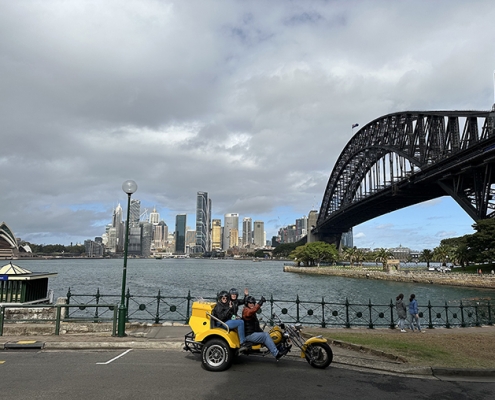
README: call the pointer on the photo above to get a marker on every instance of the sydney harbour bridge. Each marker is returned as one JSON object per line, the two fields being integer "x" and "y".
{"x": 406, "y": 158}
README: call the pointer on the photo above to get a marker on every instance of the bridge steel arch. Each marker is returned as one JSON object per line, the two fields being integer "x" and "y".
{"x": 406, "y": 158}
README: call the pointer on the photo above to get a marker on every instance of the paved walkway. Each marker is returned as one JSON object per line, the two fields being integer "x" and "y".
{"x": 172, "y": 338}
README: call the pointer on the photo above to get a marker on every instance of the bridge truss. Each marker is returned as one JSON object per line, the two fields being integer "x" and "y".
{"x": 409, "y": 157}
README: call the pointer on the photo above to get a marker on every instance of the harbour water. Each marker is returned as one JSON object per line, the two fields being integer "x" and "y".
{"x": 204, "y": 278}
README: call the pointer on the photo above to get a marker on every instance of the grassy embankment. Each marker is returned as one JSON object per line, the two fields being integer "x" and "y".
{"x": 441, "y": 347}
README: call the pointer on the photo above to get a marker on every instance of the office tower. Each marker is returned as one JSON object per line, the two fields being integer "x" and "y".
{"x": 146, "y": 235}
{"x": 231, "y": 221}
{"x": 203, "y": 223}
{"x": 154, "y": 217}
{"x": 347, "y": 239}
{"x": 259, "y": 234}
{"x": 216, "y": 234}
{"x": 135, "y": 212}
{"x": 160, "y": 235}
{"x": 134, "y": 244}
{"x": 234, "y": 238}
{"x": 190, "y": 241}
{"x": 180, "y": 233}
{"x": 247, "y": 232}
{"x": 117, "y": 245}
{"x": 301, "y": 227}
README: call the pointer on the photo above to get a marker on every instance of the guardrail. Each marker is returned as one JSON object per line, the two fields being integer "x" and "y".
{"x": 158, "y": 309}
{"x": 60, "y": 312}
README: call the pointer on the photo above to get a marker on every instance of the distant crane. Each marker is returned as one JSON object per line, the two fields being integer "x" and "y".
{"x": 144, "y": 217}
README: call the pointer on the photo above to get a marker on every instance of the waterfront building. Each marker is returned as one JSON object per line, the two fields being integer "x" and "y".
{"x": 8, "y": 242}
{"x": 180, "y": 233}
{"x": 160, "y": 235}
{"x": 234, "y": 238}
{"x": 93, "y": 248}
{"x": 247, "y": 232}
{"x": 135, "y": 212}
{"x": 203, "y": 223}
{"x": 190, "y": 241}
{"x": 216, "y": 234}
{"x": 401, "y": 253}
{"x": 146, "y": 238}
{"x": 231, "y": 221}
{"x": 259, "y": 234}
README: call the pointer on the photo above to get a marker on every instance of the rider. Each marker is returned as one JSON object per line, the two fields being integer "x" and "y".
{"x": 236, "y": 302}
{"x": 224, "y": 310}
{"x": 252, "y": 327}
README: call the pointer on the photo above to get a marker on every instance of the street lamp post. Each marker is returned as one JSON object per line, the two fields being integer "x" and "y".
{"x": 129, "y": 187}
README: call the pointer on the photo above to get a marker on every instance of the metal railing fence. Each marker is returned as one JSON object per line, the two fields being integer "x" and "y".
{"x": 60, "y": 313}
{"x": 158, "y": 309}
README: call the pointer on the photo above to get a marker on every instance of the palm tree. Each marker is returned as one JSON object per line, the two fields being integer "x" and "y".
{"x": 382, "y": 255}
{"x": 350, "y": 254}
{"x": 426, "y": 256}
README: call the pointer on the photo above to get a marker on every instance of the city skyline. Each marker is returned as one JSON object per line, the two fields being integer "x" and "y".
{"x": 253, "y": 104}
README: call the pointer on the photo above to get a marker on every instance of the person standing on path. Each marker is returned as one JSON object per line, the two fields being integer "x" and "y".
{"x": 401, "y": 311}
{"x": 413, "y": 312}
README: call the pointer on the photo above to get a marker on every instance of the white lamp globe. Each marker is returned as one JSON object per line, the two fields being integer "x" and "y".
{"x": 129, "y": 186}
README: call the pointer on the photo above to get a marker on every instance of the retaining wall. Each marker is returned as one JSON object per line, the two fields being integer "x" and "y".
{"x": 437, "y": 278}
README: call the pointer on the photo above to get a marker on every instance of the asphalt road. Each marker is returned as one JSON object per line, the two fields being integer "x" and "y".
{"x": 159, "y": 374}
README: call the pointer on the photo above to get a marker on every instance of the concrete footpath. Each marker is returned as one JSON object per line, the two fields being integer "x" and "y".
{"x": 20, "y": 337}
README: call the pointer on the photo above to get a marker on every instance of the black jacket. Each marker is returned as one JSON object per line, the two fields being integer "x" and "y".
{"x": 223, "y": 311}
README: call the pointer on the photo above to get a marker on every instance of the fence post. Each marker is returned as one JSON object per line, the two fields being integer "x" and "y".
{"x": 430, "y": 324}
{"x": 447, "y": 323}
{"x": 2, "y": 313}
{"x": 97, "y": 302}
{"x": 157, "y": 316}
{"x": 323, "y": 324}
{"x": 297, "y": 308}
{"x": 347, "y": 321}
{"x": 392, "y": 323}
{"x": 67, "y": 309}
{"x": 114, "y": 325}
{"x": 463, "y": 323}
{"x": 271, "y": 309}
{"x": 370, "y": 325}
{"x": 188, "y": 310}
{"x": 127, "y": 297}
{"x": 490, "y": 322}
{"x": 57, "y": 320}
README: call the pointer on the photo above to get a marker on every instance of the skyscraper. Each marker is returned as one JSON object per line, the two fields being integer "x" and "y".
{"x": 259, "y": 234}
{"x": 135, "y": 212}
{"x": 247, "y": 231}
{"x": 203, "y": 223}
{"x": 180, "y": 233}
{"x": 216, "y": 234}
{"x": 160, "y": 235}
{"x": 117, "y": 245}
{"x": 231, "y": 221}
{"x": 312, "y": 219}
{"x": 154, "y": 217}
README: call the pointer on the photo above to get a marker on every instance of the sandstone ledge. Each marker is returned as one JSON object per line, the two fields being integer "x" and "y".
{"x": 437, "y": 278}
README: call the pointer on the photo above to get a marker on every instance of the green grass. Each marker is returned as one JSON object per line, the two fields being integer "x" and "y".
{"x": 452, "y": 348}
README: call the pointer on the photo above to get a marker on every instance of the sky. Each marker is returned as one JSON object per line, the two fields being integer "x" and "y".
{"x": 250, "y": 101}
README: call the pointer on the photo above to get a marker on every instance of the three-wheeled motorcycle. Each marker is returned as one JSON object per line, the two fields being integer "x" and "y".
{"x": 218, "y": 344}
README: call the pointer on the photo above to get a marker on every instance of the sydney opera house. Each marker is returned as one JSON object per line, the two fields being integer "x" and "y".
{"x": 9, "y": 247}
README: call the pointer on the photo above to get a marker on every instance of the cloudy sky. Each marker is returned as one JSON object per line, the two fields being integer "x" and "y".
{"x": 250, "y": 101}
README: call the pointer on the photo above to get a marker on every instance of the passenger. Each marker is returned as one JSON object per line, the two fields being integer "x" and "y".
{"x": 236, "y": 302}
{"x": 224, "y": 311}
{"x": 401, "y": 311}
{"x": 413, "y": 312}
{"x": 253, "y": 330}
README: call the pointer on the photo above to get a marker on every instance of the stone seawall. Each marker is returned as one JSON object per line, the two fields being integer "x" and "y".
{"x": 437, "y": 278}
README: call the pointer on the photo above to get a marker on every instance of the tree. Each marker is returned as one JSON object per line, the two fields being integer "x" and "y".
{"x": 350, "y": 254}
{"x": 426, "y": 256}
{"x": 481, "y": 244}
{"x": 314, "y": 253}
{"x": 382, "y": 255}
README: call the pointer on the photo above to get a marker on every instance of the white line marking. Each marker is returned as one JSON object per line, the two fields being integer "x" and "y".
{"x": 113, "y": 359}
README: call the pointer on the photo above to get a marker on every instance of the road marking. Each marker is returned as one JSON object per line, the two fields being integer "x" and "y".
{"x": 1, "y": 362}
{"x": 26, "y": 342}
{"x": 115, "y": 358}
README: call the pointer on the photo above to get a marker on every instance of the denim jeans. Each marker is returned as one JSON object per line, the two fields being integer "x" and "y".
{"x": 263, "y": 337}
{"x": 239, "y": 325}
{"x": 414, "y": 318}
{"x": 401, "y": 323}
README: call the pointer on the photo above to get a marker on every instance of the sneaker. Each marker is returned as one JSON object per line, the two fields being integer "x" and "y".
{"x": 402, "y": 330}
{"x": 423, "y": 331}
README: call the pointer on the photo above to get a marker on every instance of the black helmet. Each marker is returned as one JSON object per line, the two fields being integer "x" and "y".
{"x": 250, "y": 299}
{"x": 222, "y": 294}
{"x": 234, "y": 291}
